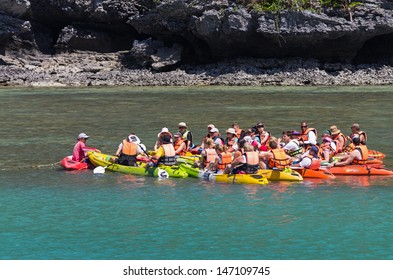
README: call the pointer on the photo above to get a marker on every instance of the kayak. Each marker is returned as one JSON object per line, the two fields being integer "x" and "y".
{"x": 280, "y": 175}
{"x": 314, "y": 173}
{"x": 376, "y": 154}
{"x": 367, "y": 169}
{"x": 70, "y": 164}
{"x": 370, "y": 160}
{"x": 252, "y": 179}
{"x": 104, "y": 160}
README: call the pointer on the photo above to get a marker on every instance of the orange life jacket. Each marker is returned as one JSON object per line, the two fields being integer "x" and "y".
{"x": 336, "y": 141}
{"x": 324, "y": 146}
{"x": 304, "y": 136}
{"x": 363, "y": 152}
{"x": 211, "y": 155}
{"x": 129, "y": 148}
{"x": 239, "y": 132}
{"x": 279, "y": 160}
{"x": 315, "y": 162}
{"x": 169, "y": 155}
{"x": 177, "y": 145}
{"x": 226, "y": 160}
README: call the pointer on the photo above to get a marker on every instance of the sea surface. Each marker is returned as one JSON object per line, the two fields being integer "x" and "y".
{"x": 47, "y": 213}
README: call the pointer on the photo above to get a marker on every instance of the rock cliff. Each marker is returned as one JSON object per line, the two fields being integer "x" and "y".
{"x": 163, "y": 35}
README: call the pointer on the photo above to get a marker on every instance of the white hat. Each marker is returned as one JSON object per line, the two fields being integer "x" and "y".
{"x": 211, "y": 126}
{"x": 164, "y": 129}
{"x": 182, "y": 124}
{"x": 214, "y": 129}
{"x": 248, "y": 139}
{"x": 82, "y": 135}
{"x": 231, "y": 130}
{"x": 133, "y": 138}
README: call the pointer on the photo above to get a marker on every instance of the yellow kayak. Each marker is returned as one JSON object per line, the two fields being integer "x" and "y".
{"x": 280, "y": 175}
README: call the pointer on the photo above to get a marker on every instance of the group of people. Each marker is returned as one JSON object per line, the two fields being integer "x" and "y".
{"x": 245, "y": 151}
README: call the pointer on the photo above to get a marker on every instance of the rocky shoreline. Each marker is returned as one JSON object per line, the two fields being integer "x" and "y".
{"x": 94, "y": 69}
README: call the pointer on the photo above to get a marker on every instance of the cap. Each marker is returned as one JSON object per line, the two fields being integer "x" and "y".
{"x": 177, "y": 134}
{"x": 260, "y": 125}
{"x": 231, "y": 130}
{"x": 83, "y": 135}
{"x": 327, "y": 131}
{"x": 134, "y": 139}
{"x": 334, "y": 130}
{"x": 182, "y": 124}
{"x": 315, "y": 150}
{"x": 295, "y": 132}
{"x": 214, "y": 129}
{"x": 163, "y": 130}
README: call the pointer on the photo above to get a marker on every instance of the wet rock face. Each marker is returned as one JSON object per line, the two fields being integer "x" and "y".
{"x": 195, "y": 31}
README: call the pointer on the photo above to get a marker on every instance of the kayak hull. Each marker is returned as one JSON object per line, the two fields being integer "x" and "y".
{"x": 316, "y": 174}
{"x": 251, "y": 179}
{"x": 362, "y": 170}
{"x": 104, "y": 160}
{"x": 278, "y": 175}
{"x": 68, "y": 164}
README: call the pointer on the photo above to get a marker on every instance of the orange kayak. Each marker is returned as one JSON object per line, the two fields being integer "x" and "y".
{"x": 314, "y": 173}
{"x": 376, "y": 154}
{"x": 367, "y": 169}
{"x": 70, "y": 164}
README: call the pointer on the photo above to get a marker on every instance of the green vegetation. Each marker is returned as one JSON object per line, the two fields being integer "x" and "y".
{"x": 275, "y": 6}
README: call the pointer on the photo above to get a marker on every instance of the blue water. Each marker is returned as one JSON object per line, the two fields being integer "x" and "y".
{"x": 47, "y": 213}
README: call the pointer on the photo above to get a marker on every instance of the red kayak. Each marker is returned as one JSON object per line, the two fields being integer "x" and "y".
{"x": 314, "y": 173}
{"x": 70, "y": 164}
{"x": 366, "y": 169}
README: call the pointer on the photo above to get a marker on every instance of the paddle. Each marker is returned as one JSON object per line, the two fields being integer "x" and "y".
{"x": 101, "y": 169}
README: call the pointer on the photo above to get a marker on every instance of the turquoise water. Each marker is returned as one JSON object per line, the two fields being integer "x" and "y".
{"x": 47, "y": 213}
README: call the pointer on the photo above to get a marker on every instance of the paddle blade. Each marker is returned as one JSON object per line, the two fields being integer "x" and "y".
{"x": 99, "y": 170}
{"x": 162, "y": 174}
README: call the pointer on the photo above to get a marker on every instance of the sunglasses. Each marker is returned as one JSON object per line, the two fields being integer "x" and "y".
{"x": 304, "y": 126}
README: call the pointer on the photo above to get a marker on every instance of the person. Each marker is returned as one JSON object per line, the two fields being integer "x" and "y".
{"x": 308, "y": 135}
{"x": 186, "y": 135}
{"x": 179, "y": 144}
{"x": 355, "y": 129}
{"x": 80, "y": 148}
{"x": 231, "y": 140}
{"x": 165, "y": 153}
{"x": 215, "y": 135}
{"x": 240, "y": 133}
{"x": 209, "y": 157}
{"x": 128, "y": 150}
{"x": 292, "y": 145}
{"x": 224, "y": 158}
{"x": 245, "y": 162}
{"x": 358, "y": 156}
{"x": 164, "y": 132}
{"x": 276, "y": 157}
{"x": 338, "y": 138}
{"x": 310, "y": 159}
{"x": 327, "y": 149}
{"x": 262, "y": 136}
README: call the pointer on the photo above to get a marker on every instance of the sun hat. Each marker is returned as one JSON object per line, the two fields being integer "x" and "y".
{"x": 214, "y": 129}
{"x": 134, "y": 139}
{"x": 231, "y": 131}
{"x": 334, "y": 130}
{"x": 182, "y": 124}
{"x": 163, "y": 130}
{"x": 83, "y": 135}
{"x": 211, "y": 126}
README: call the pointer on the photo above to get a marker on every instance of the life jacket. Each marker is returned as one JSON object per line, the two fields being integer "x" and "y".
{"x": 211, "y": 155}
{"x": 261, "y": 136}
{"x": 363, "y": 152}
{"x": 364, "y": 142}
{"x": 324, "y": 146}
{"x": 226, "y": 160}
{"x": 315, "y": 162}
{"x": 297, "y": 152}
{"x": 239, "y": 133}
{"x": 304, "y": 136}
{"x": 185, "y": 138}
{"x": 349, "y": 148}
{"x": 279, "y": 159}
{"x": 129, "y": 148}
{"x": 252, "y": 162}
{"x": 337, "y": 142}
{"x": 169, "y": 155}
{"x": 222, "y": 140}
{"x": 177, "y": 145}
